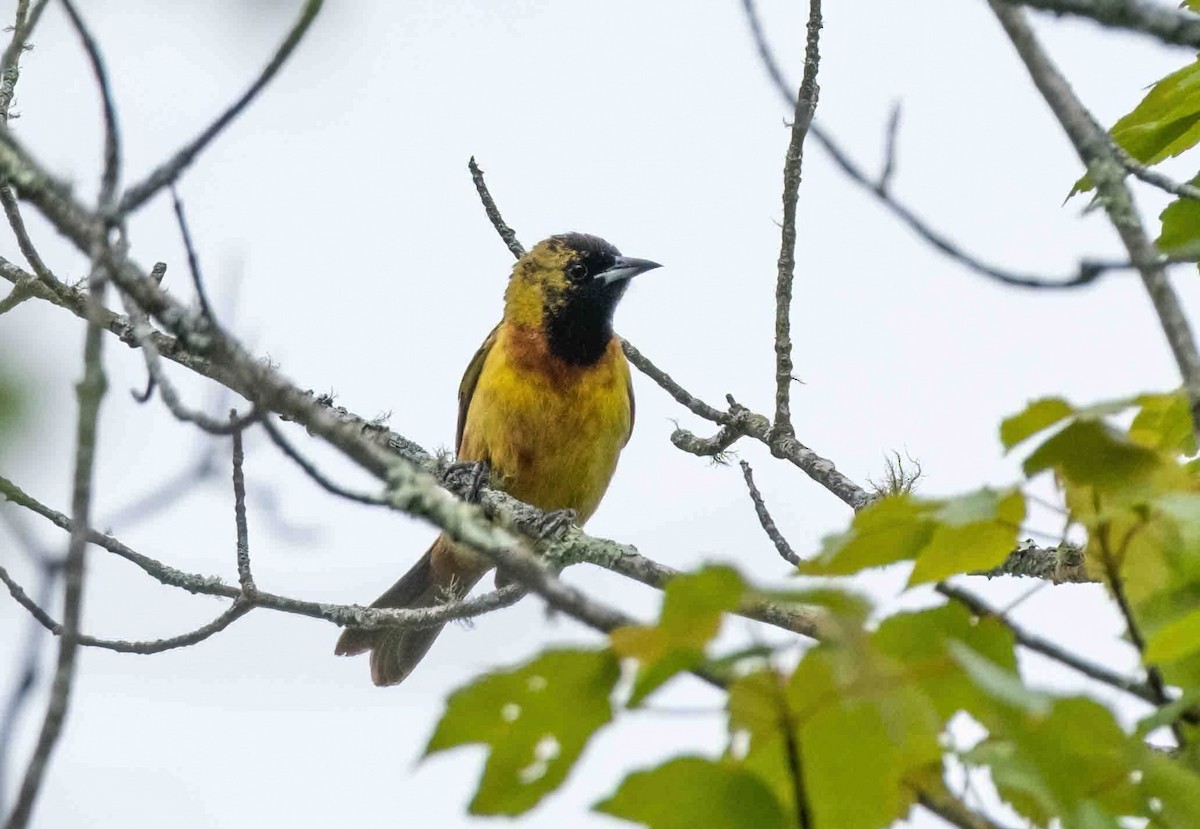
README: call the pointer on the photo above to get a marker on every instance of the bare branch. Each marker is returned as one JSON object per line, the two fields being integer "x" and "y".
{"x": 1061, "y": 564}
{"x": 168, "y": 172}
{"x": 9, "y": 73}
{"x": 10, "y": 68}
{"x": 90, "y": 392}
{"x": 24, "y": 678}
{"x": 767, "y": 522}
{"x": 112, "y": 134}
{"x": 1089, "y": 270}
{"x": 1159, "y": 20}
{"x": 342, "y": 615}
{"x": 1154, "y": 178}
{"x": 311, "y": 470}
{"x": 952, "y": 810}
{"x": 507, "y": 234}
{"x": 245, "y": 578}
{"x": 889, "y": 151}
{"x": 193, "y": 260}
{"x": 681, "y": 395}
{"x": 802, "y": 116}
{"x": 1047, "y": 648}
{"x": 1095, "y": 149}
{"x": 143, "y": 333}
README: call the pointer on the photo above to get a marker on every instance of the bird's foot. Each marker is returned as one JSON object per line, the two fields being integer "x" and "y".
{"x": 555, "y": 522}
{"x": 466, "y": 478}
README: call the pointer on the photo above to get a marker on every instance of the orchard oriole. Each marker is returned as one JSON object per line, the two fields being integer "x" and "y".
{"x": 546, "y": 403}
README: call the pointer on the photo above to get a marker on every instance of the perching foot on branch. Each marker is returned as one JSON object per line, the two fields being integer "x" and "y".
{"x": 466, "y": 479}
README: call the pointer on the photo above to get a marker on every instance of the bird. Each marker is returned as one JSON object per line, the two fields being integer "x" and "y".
{"x": 546, "y": 404}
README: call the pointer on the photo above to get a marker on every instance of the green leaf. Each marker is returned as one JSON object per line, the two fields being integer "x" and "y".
{"x": 1164, "y": 123}
{"x": 858, "y": 753}
{"x": 1089, "y": 815}
{"x": 1003, "y": 685}
{"x": 921, "y": 639}
{"x": 889, "y": 530}
{"x": 691, "y": 616}
{"x": 1174, "y": 640}
{"x": 1175, "y": 789}
{"x": 977, "y": 532}
{"x": 691, "y": 792}
{"x": 1092, "y": 453}
{"x": 1067, "y": 751}
{"x": 1039, "y": 415}
{"x": 1164, "y": 422}
{"x": 1180, "y": 227}
{"x": 535, "y": 719}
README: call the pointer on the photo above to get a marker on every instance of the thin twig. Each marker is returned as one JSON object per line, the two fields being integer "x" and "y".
{"x": 157, "y": 378}
{"x": 90, "y": 392}
{"x": 507, "y": 234}
{"x": 25, "y": 678}
{"x": 311, "y": 470}
{"x": 767, "y": 522}
{"x": 1095, "y": 149}
{"x": 802, "y": 115}
{"x": 1049, "y": 649}
{"x": 1154, "y": 178}
{"x": 168, "y": 172}
{"x": 245, "y": 578}
{"x": 145, "y": 648}
{"x": 343, "y": 615}
{"x": 953, "y": 810}
{"x": 112, "y": 133}
{"x": 664, "y": 381}
{"x": 1088, "y": 270}
{"x": 791, "y": 745}
{"x": 1110, "y": 559}
{"x": 889, "y": 151}
{"x": 193, "y": 260}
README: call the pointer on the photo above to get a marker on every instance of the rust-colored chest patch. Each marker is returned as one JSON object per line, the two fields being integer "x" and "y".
{"x": 550, "y": 431}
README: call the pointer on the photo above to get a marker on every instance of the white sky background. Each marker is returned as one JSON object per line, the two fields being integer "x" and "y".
{"x": 338, "y": 219}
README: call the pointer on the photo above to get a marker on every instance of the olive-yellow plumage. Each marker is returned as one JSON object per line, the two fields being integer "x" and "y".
{"x": 546, "y": 403}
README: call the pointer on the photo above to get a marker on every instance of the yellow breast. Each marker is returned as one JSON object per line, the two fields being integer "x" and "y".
{"x": 550, "y": 432}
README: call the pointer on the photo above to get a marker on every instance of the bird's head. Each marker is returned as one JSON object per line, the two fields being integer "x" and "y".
{"x": 568, "y": 287}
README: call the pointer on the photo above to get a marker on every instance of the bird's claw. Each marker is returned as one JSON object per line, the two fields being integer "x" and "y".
{"x": 467, "y": 478}
{"x": 555, "y": 522}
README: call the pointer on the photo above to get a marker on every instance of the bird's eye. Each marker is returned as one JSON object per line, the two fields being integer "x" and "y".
{"x": 577, "y": 272}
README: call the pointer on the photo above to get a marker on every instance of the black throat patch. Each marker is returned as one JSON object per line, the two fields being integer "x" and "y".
{"x": 579, "y": 322}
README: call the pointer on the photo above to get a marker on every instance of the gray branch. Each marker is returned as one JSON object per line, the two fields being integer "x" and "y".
{"x": 1159, "y": 20}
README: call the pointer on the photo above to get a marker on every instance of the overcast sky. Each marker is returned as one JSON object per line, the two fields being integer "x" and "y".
{"x": 339, "y": 229}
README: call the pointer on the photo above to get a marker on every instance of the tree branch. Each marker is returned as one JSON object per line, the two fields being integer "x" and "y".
{"x": 169, "y": 171}
{"x": 1088, "y": 271}
{"x": 768, "y": 523}
{"x": 802, "y": 116}
{"x": 507, "y": 234}
{"x": 89, "y": 392}
{"x": 1095, "y": 149}
{"x": 1049, "y": 649}
{"x": 1168, "y": 25}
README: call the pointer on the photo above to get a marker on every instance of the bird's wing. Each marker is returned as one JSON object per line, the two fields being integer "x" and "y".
{"x": 466, "y": 389}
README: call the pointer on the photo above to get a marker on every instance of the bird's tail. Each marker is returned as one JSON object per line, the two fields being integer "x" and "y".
{"x": 438, "y": 576}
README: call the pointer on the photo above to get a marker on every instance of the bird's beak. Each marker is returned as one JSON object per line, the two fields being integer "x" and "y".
{"x": 626, "y": 268}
